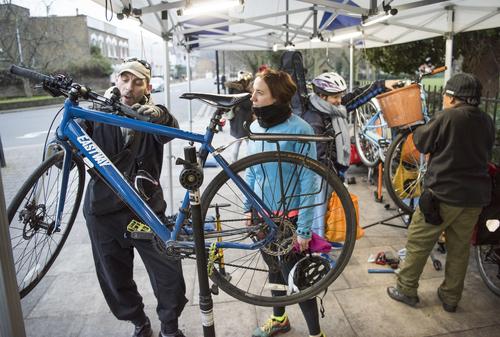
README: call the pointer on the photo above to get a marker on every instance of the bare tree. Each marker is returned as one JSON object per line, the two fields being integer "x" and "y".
{"x": 23, "y": 39}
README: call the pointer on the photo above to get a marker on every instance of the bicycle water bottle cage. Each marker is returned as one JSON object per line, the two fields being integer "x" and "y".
{"x": 218, "y": 101}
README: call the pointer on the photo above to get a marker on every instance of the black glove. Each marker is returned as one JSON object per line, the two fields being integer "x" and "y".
{"x": 156, "y": 113}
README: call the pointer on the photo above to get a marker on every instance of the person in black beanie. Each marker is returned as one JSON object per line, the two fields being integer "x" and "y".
{"x": 459, "y": 140}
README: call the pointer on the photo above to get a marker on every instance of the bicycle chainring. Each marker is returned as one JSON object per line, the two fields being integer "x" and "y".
{"x": 170, "y": 250}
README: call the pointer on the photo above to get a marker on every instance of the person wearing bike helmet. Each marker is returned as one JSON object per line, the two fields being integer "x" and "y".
{"x": 271, "y": 104}
{"x": 139, "y": 157}
{"x": 328, "y": 109}
{"x": 459, "y": 141}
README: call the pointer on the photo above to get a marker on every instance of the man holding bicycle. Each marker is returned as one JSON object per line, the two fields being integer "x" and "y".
{"x": 139, "y": 157}
{"x": 457, "y": 186}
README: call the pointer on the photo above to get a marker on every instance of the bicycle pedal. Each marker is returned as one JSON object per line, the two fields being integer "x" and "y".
{"x": 384, "y": 142}
{"x": 214, "y": 289}
{"x": 139, "y": 230}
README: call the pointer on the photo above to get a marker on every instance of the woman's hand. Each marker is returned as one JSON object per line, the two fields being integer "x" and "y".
{"x": 303, "y": 243}
{"x": 248, "y": 219}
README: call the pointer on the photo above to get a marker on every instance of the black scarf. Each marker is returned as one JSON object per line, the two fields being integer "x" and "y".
{"x": 271, "y": 115}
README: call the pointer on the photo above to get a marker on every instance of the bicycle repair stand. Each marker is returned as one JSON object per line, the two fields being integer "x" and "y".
{"x": 191, "y": 178}
{"x": 379, "y": 198}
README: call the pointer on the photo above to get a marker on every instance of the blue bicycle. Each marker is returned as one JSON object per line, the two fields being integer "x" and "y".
{"x": 43, "y": 211}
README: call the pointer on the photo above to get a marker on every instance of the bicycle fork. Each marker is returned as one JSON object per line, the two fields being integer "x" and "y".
{"x": 66, "y": 168}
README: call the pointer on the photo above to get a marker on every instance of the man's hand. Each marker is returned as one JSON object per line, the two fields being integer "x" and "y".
{"x": 154, "y": 112}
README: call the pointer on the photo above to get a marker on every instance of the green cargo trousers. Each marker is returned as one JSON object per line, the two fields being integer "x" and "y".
{"x": 458, "y": 223}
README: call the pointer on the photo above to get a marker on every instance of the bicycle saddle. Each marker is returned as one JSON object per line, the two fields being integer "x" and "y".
{"x": 218, "y": 101}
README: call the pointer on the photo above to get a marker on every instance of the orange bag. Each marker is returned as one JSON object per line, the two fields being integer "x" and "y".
{"x": 335, "y": 223}
{"x": 409, "y": 152}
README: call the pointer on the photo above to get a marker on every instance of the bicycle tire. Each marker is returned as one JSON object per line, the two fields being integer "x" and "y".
{"x": 368, "y": 153}
{"x": 404, "y": 192}
{"x": 31, "y": 214}
{"x": 488, "y": 263}
{"x": 242, "y": 273}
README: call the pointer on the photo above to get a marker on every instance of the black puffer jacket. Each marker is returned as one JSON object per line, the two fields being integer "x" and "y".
{"x": 242, "y": 112}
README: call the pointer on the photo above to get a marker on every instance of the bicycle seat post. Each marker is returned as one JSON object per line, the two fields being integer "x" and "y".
{"x": 191, "y": 178}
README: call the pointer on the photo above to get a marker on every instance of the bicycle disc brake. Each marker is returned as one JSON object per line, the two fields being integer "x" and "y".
{"x": 283, "y": 241}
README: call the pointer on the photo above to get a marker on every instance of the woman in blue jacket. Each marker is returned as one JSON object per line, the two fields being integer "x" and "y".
{"x": 272, "y": 93}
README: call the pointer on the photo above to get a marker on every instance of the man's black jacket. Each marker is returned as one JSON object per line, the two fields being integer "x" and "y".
{"x": 99, "y": 198}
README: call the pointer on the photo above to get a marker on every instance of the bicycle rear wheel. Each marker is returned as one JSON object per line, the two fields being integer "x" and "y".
{"x": 404, "y": 171}
{"x": 488, "y": 262}
{"x": 243, "y": 273}
{"x": 368, "y": 152}
{"x": 32, "y": 213}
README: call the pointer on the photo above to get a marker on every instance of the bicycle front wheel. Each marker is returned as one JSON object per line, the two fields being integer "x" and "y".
{"x": 488, "y": 262}
{"x": 245, "y": 273}
{"x": 369, "y": 152}
{"x": 404, "y": 171}
{"x": 32, "y": 213}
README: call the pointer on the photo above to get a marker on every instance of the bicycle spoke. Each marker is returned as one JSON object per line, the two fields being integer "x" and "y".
{"x": 32, "y": 214}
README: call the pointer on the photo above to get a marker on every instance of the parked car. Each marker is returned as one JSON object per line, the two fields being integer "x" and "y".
{"x": 157, "y": 84}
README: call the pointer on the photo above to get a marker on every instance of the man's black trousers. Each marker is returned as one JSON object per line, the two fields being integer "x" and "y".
{"x": 113, "y": 257}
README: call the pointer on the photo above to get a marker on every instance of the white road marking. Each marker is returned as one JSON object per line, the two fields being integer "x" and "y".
{"x": 35, "y": 134}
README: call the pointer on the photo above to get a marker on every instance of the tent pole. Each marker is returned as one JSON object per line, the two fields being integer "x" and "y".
{"x": 166, "y": 93}
{"x": 11, "y": 314}
{"x": 190, "y": 109}
{"x": 217, "y": 70}
{"x": 351, "y": 64}
{"x": 449, "y": 44}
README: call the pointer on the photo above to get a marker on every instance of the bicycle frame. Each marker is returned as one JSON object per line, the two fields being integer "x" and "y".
{"x": 371, "y": 130}
{"x": 70, "y": 133}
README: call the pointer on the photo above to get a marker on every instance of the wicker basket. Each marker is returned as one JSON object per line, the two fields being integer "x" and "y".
{"x": 402, "y": 106}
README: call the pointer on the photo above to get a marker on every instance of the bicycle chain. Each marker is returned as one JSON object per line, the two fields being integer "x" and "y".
{"x": 176, "y": 254}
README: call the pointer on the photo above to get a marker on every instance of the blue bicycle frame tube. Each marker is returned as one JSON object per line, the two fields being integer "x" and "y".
{"x": 71, "y": 130}
{"x": 370, "y": 126}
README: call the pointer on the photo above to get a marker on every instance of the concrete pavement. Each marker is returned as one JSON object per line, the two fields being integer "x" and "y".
{"x": 68, "y": 301}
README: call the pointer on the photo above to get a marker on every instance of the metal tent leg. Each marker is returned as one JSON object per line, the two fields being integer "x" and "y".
{"x": 11, "y": 314}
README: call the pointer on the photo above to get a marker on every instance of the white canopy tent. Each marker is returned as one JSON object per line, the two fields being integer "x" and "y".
{"x": 264, "y": 24}
{"x": 280, "y": 24}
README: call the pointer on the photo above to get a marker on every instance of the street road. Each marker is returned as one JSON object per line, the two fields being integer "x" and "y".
{"x": 29, "y": 126}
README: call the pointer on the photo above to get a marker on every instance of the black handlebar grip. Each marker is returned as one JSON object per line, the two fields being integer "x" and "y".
{"x": 31, "y": 74}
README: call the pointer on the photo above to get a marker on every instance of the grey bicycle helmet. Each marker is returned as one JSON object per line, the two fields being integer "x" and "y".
{"x": 329, "y": 84}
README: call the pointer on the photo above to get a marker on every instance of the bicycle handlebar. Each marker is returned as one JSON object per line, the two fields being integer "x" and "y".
{"x": 62, "y": 85}
{"x": 438, "y": 70}
{"x": 32, "y": 75}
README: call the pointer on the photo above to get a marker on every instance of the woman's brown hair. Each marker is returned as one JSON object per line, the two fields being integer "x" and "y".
{"x": 280, "y": 84}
